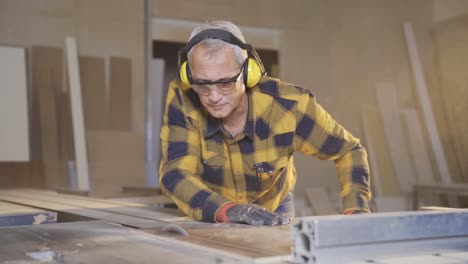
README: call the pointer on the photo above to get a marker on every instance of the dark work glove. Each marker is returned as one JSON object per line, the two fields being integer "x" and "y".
{"x": 254, "y": 214}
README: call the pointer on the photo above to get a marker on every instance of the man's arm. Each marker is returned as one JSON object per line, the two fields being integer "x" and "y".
{"x": 179, "y": 162}
{"x": 318, "y": 134}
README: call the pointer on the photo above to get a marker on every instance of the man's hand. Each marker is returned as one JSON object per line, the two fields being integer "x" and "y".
{"x": 254, "y": 214}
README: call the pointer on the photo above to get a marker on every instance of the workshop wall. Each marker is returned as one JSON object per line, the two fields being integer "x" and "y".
{"x": 338, "y": 49}
{"x": 451, "y": 52}
{"x": 110, "y": 33}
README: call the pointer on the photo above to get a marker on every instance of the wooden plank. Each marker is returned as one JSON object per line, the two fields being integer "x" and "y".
{"x": 21, "y": 175}
{"x": 383, "y": 177}
{"x": 14, "y": 215}
{"x": 67, "y": 150}
{"x": 14, "y": 135}
{"x": 425, "y": 104}
{"x": 126, "y": 146}
{"x": 449, "y": 97}
{"x": 112, "y": 207}
{"x": 77, "y": 115}
{"x": 120, "y": 93}
{"x": 75, "y": 200}
{"x": 92, "y": 74}
{"x": 255, "y": 242}
{"x": 108, "y": 205}
{"x": 249, "y": 241}
{"x": 396, "y": 140}
{"x": 9, "y": 208}
{"x": 417, "y": 145}
{"x": 73, "y": 210}
{"x": 154, "y": 109}
{"x": 47, "y": 79}
{"x": 98, "y": 242}
{"x": 320, "y": 201}
{"x": 110, "y": 176}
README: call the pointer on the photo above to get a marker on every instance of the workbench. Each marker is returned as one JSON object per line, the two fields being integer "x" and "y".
{"x": 91, "y": 230}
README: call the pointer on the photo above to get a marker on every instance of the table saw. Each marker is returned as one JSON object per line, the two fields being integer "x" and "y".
{"x": 91, "y": 230}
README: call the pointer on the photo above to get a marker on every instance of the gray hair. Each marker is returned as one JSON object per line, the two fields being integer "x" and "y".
{"x": 215, "y": 46}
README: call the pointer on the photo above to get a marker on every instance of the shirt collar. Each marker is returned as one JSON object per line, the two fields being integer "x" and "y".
{"x": 213, "y": 124}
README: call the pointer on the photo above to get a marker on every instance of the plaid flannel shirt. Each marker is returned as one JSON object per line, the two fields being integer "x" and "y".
{"x": 203, "y": 167}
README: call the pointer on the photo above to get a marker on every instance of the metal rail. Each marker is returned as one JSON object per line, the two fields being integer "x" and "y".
{"x": 372, "y": 238}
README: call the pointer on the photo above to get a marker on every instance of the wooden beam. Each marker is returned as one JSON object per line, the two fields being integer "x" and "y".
{"x": 92, "y": 74}
{"x": 77, "y": 115}
{"x": 418, "y": 147}
{"x": 425, "y": 103}
{"x": 47, "y": 81}
{"x": 396, "y": 140}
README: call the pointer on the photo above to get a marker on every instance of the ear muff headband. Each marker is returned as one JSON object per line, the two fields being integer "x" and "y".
{"x": 253, "y": 69}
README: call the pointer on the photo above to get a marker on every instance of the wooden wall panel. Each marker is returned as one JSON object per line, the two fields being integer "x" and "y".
{"x": 120, "y": 93}
{"x": 383, "y": 177}
{"x": 451, "y": 46}
{"x": 47, "y": 83}
{"x": 21, "y": 174}
{"x": 93, "y": 84}
{"x": 394, "y": 133}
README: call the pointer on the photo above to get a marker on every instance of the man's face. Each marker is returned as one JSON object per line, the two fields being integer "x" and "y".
{"x": 219, "y": 99}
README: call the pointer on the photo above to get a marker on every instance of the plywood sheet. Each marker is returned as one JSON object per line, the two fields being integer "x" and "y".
{"x": 449, "y": 98}
{"x": 98, "y": 242}
{"x": 14, "y": 118}
{"x": 418, "y": 147}
{"x": 383, "y": 177}
{"x": 120, "y": 93}
{"x": 80, "y": 207}
{"x": 126, "y": 146}
{"x": 92, "y": 73}
{"x": 425, "y": 103}
{"x": 110, "y": 176}
{"x": 47, "y": 81}
{"x": 397, "y": 143}
{"x": 250, "y": 243}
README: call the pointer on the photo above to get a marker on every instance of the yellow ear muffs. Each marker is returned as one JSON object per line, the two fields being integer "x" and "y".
{"x": 185, "y": 83}
{"x": 252, "y": 73}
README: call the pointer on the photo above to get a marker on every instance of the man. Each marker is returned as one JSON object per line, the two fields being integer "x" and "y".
{"x": 230, "y": 132}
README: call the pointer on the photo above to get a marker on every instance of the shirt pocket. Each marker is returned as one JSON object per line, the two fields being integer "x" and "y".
{"x": 213, "y": 170}
{"x": 268, "y": 172}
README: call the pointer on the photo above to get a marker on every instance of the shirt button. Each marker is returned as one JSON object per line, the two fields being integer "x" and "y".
{"x": 205, "y": 162}
{"x": 237, "y": 173}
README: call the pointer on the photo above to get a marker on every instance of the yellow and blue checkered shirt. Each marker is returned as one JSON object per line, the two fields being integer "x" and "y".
{"x": 203, "y": 167}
